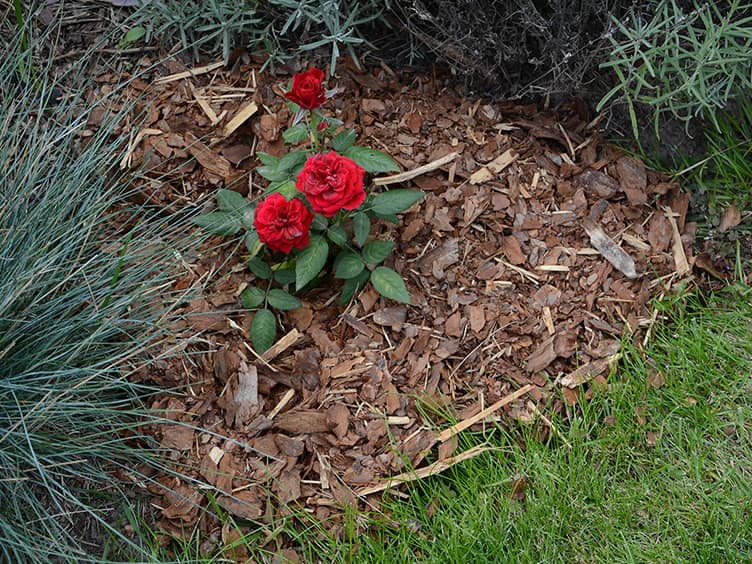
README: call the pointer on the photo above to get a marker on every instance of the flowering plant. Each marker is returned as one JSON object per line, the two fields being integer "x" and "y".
{"x": 317, "y": 204}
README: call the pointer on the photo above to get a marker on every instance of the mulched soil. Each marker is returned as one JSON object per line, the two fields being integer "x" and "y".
{"x": 534, "y": 251}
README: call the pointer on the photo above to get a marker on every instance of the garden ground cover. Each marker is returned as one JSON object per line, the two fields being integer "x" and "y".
{"x": 537, "y": 247}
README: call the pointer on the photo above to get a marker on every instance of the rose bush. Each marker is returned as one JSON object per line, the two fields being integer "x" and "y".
{"x": 308, "y": 89}
{"x": 317, "y": 211}
{"x": 283, "y": 225}
{"x": 331, "y": 183}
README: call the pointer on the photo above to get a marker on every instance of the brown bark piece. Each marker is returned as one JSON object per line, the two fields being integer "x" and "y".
{"x": 731, "y": 218}
{"x": 177, "y": 436}
{"x": 597, "y": 183}
{"x": 513, "y": 250}
{"x": 633, "y": 180}
{"x": 244, "y": 504}
{"x": 211, "y": 161}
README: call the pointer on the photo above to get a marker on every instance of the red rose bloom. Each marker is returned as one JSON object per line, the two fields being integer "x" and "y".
{"x": 331, "y": 183}
{"x": 283, "y": 225}
{"x": 307, "y": 89}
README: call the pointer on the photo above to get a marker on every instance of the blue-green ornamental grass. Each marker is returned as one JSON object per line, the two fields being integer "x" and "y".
{"x": 84, "y": 291}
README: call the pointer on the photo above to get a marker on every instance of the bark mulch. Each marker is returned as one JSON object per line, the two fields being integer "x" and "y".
{"x": 538, "y": 247}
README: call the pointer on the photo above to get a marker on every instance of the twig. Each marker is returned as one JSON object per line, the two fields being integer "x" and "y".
{"x": 470, "y": 421}
{"x": 430, "y": 470}
{"x": 410, "y": 174}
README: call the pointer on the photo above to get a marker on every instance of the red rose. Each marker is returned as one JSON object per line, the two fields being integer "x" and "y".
{"x": 283, "y": 225}
{"x": 331, "y": 183}
{"x": 307, "y": 89}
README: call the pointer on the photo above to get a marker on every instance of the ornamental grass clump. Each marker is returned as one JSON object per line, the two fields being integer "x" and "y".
{"x": 317, "y": 205}
{"x": 84, "y": 289}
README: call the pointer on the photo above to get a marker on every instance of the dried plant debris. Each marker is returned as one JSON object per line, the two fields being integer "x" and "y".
{"x": 537, "y": 247}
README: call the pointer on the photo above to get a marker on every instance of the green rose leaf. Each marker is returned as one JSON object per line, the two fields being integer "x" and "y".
{"x": 310, "y": 261}
{"x": 348, "y": 265}
{"x": 263, "y": 330}
{"x": 281, "y": 300}
{"x": 252, "y": 297}
{"x": 231, "y": 201}
{"x": 344, "y": 140}
{"x": 291, "y": 161}
{"x": 338, "y": 235}
{"x": 295, "y": 134}
{"x": 353, "y": 285}
{"x": 320, "y": 222}
{"x": 272, "y": 174}
{"x": 267, "y": 159}
{"x": 285, "y": 275}
{"x": 259, "y": 268}
{"x": 390, "y": 284}
{"x": 395, "y": 201}
{"x": 252, "y": 243}
{"x": 285, "y": 187}
{"x": 219, "y": 223}
{"x": 372, "y": 160}
{"x": 361, "y": 228}
{"x": 376, "y": 251}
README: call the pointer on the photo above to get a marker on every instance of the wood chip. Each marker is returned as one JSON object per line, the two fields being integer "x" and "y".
{"x": 680, "y": 259}
{"x": 289, "y": 340}
{"x": 585, "y": 373}
{"x": 189, "y": 73}
{"x": 494, "y": 167}
{"x": 239, "y": 118}
{"x": 607, "y": 247}
{"x": 211, "y": 161}
{"x": 731, "y": 218}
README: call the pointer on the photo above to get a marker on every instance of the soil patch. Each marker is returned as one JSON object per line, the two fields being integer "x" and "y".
{"x": 536, "y": 248}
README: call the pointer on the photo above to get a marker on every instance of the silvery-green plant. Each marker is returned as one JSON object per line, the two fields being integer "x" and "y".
{"x": 686, "y": 64}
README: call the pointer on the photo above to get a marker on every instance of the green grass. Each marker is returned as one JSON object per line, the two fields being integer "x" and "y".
{"x": 612, "y": 497}
{"x": 82, "y": 298}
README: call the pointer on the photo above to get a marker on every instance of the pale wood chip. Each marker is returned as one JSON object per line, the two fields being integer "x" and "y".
{"x": 239, "y": 118}
{"x": 189, "y": 73}
{"x": 680, "y": 259}
{"x": 607, "y": 247}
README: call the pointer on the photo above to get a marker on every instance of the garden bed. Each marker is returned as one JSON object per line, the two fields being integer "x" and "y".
{"x": 537, "y": 248}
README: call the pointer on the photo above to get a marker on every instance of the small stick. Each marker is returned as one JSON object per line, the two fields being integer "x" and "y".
{"x": 188, "y": 73}
{"x": 470, "y": 421}
{"x": 430, "y": 470}
{"x": 282, "y": 345}
{"x": 282, "y": 403}
{"x": 410, "y": 174}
